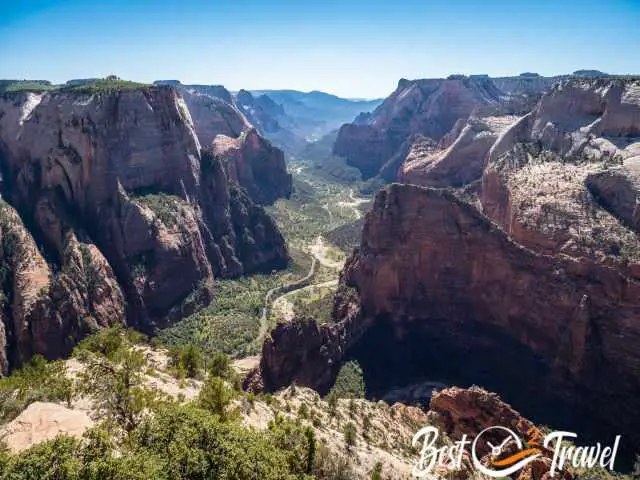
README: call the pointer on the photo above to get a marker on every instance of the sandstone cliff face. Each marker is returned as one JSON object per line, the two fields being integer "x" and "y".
{"x": 114, "y": 184}
{"x": 251, "y": 161}
{"x": 213, "y": 116}
{"x": 445, "y": 293}
{"x": 254, "y": 164}
{"x": 458, "y": 159}
{"x": 563, "y": 177}
{"x": 427, "y": 107}
{"x": 44, "y": 311}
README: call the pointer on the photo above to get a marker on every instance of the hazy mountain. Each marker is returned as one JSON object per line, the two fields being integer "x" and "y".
{"x": 318, "y": 113}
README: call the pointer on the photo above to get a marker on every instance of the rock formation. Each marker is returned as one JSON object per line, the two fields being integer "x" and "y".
{"x": 563, "y": 178}
{"x": 458, "y": 412}
{"x": 271, "y": 120}
{"x": 250, "y": 160}
{"x": 113, "y": 191}
{"x": 528, "y": 283}
{"x": 446, "y": 293}
{"x": 429, "y": 108}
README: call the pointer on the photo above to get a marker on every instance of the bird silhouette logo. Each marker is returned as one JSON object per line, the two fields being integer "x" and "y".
{"x": 503, "y": 467}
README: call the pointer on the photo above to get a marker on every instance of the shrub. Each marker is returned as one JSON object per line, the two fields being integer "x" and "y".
{"x": 176, "y": 443}
{"x": 376, "y": 473}
{"x": 330, "y": 466}
{"x": 116, "y": 383}
{"x": 186, "y": 361}
{"x": 216, "y": 397}
{"x": 298, "y": 442}
{"x": 332, "y": 400}
{"x": 39, "y": 380}
{"x": 220, "y": 365}
{"x": 350, "y": 435}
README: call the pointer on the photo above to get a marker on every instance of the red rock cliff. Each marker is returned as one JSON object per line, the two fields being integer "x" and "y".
{"x": 119, "y": 176}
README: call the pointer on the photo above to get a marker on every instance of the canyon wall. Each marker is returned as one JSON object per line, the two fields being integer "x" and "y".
{"x": 125, "y": 217}
{"x": 524, "y": 279}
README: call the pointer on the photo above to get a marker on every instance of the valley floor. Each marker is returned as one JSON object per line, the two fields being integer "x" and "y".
{"x": 245, "y": 309}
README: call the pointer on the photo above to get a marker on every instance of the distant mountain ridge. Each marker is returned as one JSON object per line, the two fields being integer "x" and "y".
{"x": 318, "y": 113}
{"x": 420, "y": 114}
{"x": 288, "y": 118}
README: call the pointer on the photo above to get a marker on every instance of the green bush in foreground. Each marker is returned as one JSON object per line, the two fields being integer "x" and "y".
{"x": 177, "y": 442}
{"x": 37, "y": 381}
{"x": 148, "y": 436}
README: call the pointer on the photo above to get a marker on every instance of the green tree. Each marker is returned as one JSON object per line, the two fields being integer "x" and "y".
{"x": 350, "y": 381}
{"x": 116, "y": 384}
{"x": 220, "y": 365}
{"x": 296, "y": 441}
{"x": 186, "y": 360}
{"x": 376, "y": 473}
{"x": 38, "y": 380}
{"x": 311, "y": 449}
{"x": 216, "y": 397}
{"x": 350, "y": 435}
{"x": 332, "y": 400}
{"x": 50, "y": 460}
{"x": 193, "y": 444}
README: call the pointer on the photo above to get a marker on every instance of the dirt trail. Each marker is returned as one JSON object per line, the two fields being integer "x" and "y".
{"x": 319, "y": 252}
{"x": 354, "y": 203}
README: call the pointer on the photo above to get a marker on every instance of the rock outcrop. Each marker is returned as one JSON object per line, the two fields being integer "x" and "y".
{"x": 458, "y": 159}
{"x": 250, "y": 160}
{"x": 618, "y": 190}
{"x": 459, "y": 411}
{"x": 214, "y": 116}
{"x": 42, "y": 421}
{"x": 118, "y": 195}
{"x": 254, "y": 164}
{"x": 548, "y": 177}
{"x": 445, "y": 293}
{"x": 429, "y": 108}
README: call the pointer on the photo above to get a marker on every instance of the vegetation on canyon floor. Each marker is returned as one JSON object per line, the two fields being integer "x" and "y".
{"x": 231, "y": 322}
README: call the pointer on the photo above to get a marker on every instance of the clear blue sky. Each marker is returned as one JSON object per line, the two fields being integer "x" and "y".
{"x": 355, "y": 48}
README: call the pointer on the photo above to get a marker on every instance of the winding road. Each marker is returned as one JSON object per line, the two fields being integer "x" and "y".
{"x": 319, "y": 252}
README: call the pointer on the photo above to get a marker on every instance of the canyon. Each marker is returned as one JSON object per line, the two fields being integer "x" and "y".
{"x": 115, "y": 210}
{"x": 501, "y": 247}
{"x": 507, "y": 256}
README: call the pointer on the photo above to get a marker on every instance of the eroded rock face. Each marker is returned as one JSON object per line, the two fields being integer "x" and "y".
{"x": 430, "y": 108}
{"x": 235, "y": 133}
{"x": 468, "y": 411}
{"x": 254, "y": 164}
{"x": 549, "y": 175}
{"x": 214, "y": 115}
{"x": 114, "y": 185}
{"x": 459, "y": 412}
{"x": 44, "y": 311}
{"x": 458, "y": 159}
{"x": 618, "y": 190}
{"x": 445, "y": 293}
